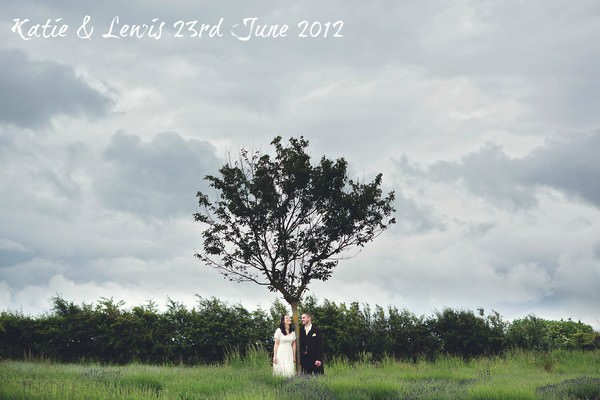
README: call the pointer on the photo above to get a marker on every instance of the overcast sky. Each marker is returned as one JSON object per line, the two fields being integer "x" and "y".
{"x": 481, "y": 115}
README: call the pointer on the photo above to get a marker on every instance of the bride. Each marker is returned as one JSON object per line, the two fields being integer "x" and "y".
{"x": 284, "y": 353}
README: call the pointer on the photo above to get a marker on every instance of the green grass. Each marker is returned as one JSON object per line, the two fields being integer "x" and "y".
{"x": 519, "y": 375}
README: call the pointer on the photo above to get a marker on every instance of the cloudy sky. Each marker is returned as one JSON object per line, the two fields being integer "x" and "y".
{"x": 481, "y": 115}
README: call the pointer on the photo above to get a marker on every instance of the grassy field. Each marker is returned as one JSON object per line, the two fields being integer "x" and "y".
{"x": 556, "y": 375}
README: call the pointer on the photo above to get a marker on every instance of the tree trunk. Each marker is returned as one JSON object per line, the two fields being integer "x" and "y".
{"x": 296, "y": 323}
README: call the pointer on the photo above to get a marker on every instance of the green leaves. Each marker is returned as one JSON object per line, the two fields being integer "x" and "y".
{"x": 281, "y": 221}
{"x": 109, "y": 332}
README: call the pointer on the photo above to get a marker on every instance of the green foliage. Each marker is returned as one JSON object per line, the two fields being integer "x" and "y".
{"x": 276, "y": 311}
{"x": 536, "y": 333}
{"x": 111, "y": 333}
{"x": 530, "y": 332}
{"x": 465, "y": 334}
{"x": 586, "y": 340}
{"x": 281, "y": 221}
{"x": 563, "y": 333}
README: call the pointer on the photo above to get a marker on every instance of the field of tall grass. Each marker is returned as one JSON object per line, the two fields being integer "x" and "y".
{"x": 517, "y": 375}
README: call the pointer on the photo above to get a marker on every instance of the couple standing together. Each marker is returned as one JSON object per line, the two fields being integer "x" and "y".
{"x": 311, "y": 347}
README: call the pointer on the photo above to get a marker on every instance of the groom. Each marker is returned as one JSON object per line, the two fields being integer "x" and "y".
{"x": 311, "y": 346}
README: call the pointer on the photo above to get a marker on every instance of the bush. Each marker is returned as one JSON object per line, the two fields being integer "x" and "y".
{"x": 110, "y": 333}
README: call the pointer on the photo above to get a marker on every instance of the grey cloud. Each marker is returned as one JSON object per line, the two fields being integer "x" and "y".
{"x": 159, "y": 178}
{"x": 11, "y": 257}
{"x": 597, "y": 252}
{"x": 35, "y": 91}
{"x": 31, "y": 272}
{"x": 54, "y": 197}
{"x": 12, "y": 253}
{"x": 414, "y": 218}
{"x": 570, "y": 166}
{"x": 429, "y": 79}
{"x": 38, "y": 176}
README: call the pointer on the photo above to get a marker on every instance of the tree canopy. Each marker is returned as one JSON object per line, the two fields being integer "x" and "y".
{"x": 281, "y": 222}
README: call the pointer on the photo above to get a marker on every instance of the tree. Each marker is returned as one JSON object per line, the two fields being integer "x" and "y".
{"x": 282, "y": 222}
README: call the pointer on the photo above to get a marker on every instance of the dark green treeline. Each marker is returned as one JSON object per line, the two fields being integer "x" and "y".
{"x": 109, "y": 332}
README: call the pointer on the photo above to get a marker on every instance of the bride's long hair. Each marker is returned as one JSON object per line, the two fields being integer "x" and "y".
{"x": 282, "y": 325}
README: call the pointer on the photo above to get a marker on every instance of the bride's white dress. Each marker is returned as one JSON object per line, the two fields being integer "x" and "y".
{"x": 285, "y": 354}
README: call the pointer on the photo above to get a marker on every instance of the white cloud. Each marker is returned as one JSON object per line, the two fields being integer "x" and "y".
{"x": 483, "y": 103}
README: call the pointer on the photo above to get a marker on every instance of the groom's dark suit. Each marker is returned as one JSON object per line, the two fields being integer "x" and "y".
{"x": 311, "y": 349}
